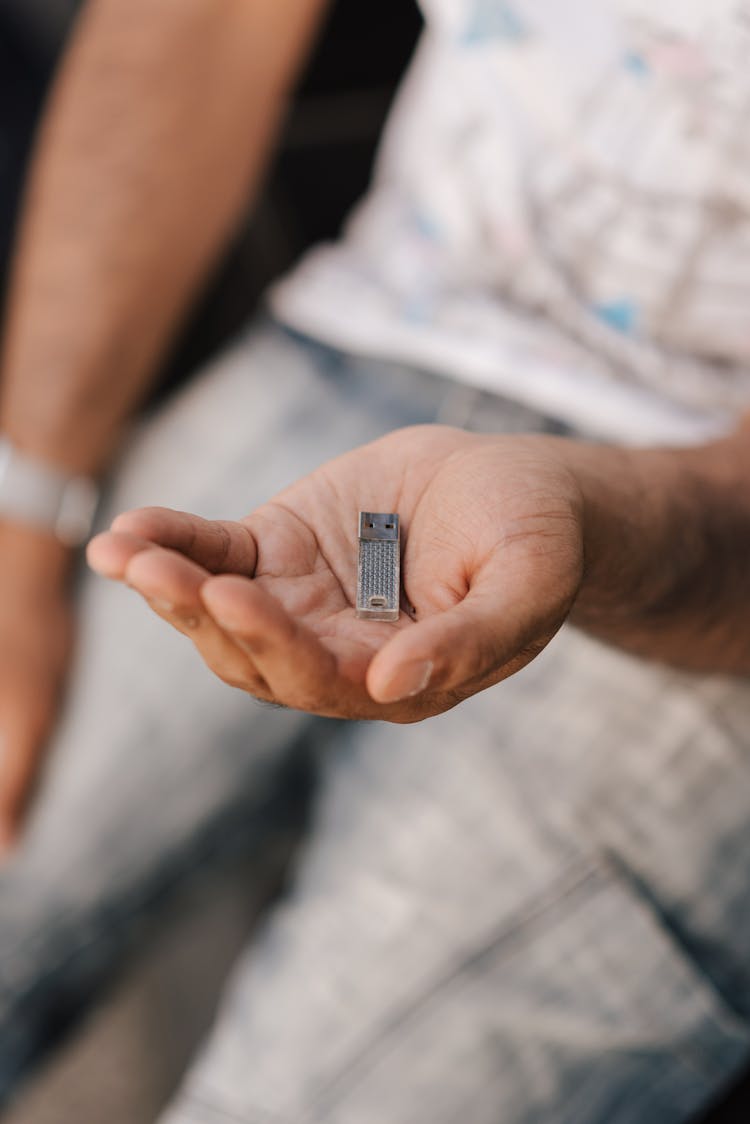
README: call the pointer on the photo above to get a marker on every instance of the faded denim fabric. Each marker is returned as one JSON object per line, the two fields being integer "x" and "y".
{"x": 533, "y": 908}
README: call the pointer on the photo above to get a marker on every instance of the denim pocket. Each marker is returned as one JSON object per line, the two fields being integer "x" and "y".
{"x": 583, "y": 1010}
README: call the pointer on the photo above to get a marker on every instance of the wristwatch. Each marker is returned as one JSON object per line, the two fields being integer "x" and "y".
{"x": 34, "y": 492}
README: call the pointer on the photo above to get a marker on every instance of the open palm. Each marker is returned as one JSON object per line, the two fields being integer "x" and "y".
{"x": 492, "y": 561}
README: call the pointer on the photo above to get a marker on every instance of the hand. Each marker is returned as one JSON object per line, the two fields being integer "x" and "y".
{"x": 35, "y": 639}
{"x": 492, "y": 562}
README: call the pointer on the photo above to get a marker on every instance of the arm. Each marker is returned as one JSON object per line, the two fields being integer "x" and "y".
{"x": 667, "y": 543}
{"x": 154, "y": 142}
{"x": 505, "y": 537}
{"x": 152, "y": 147}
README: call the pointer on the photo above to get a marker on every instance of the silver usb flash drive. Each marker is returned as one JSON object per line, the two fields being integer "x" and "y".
{"x": 379, "y": 566}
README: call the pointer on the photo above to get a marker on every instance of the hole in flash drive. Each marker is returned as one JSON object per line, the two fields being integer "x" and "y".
{"x": 379, "y": 566}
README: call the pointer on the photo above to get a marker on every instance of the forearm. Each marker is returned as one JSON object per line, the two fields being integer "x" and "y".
{"x": 667, "y": 544}
{"x": 154, "y": 141}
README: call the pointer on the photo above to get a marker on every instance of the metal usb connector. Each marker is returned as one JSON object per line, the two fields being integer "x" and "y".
{"x": 379, "y": 566}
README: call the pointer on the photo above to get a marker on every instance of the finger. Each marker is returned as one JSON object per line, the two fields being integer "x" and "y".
{"x": 109, "y": 553}
{"x": 497, "y": 628}
{"x": 27, "y": 716}
{"x": 171, "y": 584}
{"x": 168, "y": 579}
{"x": 220, "y": 546}
{"x": 299, "y": 670}
{"x": 165, "y": 578}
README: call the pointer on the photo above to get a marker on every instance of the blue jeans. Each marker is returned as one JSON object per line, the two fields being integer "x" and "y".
{"x": 533, "y": 908}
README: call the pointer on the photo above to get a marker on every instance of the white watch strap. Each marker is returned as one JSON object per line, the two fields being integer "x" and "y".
{"x": 34, "y": 492}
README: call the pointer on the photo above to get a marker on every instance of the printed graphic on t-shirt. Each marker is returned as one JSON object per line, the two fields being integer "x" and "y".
{"x": 561, "y": 208}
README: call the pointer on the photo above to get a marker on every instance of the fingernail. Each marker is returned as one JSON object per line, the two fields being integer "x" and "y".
{"x": 412, "y": 679}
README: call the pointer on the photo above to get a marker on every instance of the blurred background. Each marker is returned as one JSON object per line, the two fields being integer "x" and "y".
{"x": 123, "y": 1063}
{"x": 322, "y": 168}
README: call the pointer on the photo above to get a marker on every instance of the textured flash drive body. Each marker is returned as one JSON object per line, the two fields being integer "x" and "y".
{"x": 379, "y": 566}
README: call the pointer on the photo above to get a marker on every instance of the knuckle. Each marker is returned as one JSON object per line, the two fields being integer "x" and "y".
{"x": 188, "y": 622}
{"x": 223, "y": 545}
{"x": 180, "y": 617}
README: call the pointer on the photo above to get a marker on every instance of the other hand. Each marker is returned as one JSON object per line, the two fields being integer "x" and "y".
{"x": 35, "y": 640}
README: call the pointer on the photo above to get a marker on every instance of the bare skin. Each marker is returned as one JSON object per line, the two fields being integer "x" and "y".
{"x": 152, "y": 147}
{"x": 165, "y": 110}
{"x": 35, "y": 641}
{"x": 505, "y": 537}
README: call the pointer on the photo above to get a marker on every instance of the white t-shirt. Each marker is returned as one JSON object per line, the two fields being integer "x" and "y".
{"x": 560, "y": 213}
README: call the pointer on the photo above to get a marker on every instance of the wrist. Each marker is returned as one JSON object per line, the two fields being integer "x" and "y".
{"x": 666, "y": 534}
{"x": 33, "y": 557}
{"x": 624, "y": 521}
{"x": 38, "y": 492}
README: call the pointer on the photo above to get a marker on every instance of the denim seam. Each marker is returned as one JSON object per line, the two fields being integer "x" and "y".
{"x": 587, "y": 869}
{"x": 211, "y": 1112}
{"x": 203, "y": 853}
{"x": 381, "y": 1041}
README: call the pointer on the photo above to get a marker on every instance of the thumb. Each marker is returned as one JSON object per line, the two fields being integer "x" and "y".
{"x": 505, "y": 619}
